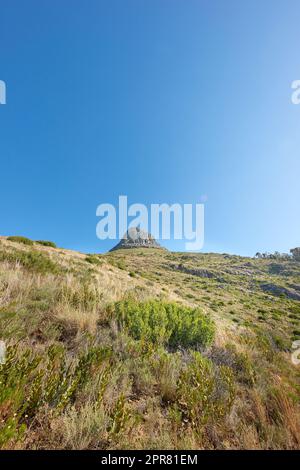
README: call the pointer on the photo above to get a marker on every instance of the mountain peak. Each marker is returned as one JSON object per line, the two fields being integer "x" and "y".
{"x": 135, "y": 237}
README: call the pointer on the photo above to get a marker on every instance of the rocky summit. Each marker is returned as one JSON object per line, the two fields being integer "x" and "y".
{"x": 137, "y": 238}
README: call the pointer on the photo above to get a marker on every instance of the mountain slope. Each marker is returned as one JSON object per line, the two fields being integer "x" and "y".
{"x": 118, "y": 350}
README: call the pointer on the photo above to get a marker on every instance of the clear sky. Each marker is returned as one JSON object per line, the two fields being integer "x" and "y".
{"x": 160, "y": 100}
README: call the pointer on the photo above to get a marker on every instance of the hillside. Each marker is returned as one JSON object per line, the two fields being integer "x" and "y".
{"x": 146, "y": 348}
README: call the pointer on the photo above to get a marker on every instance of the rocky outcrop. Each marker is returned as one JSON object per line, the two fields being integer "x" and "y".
{"x": 205, "y": 273}
{"x": 280, "y": 291}
{"x": 137, "y": 238}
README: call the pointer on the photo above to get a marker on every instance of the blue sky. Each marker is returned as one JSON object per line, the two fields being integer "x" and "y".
{"x": 160, "y": 100}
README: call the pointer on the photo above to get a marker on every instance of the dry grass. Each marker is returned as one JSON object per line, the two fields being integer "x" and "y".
{"x": 81, "y": 429}
{"x": 81, "y": 320}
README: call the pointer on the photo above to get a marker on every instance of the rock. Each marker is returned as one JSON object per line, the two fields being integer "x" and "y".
{"x": 295, "y": 286}
{"x": 137, "y": 238}
{"x": 198, "y": 272}
{"x": 278, "y": 291}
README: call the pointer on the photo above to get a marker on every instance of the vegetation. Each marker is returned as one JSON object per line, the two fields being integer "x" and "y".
{"x": 189, "y": 357}
{"x": 165, "y": 323}
{"x": 46, "y": 243}
{"x": 19, "y": 239}
{"x": 93, "y": 259}
{"x": 293, "y": 255}
{"x": 32, "y": 260}
{"x": 296, "y": 253}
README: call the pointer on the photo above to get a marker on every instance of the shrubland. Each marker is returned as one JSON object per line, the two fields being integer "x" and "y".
{"x": 143, "y": 349}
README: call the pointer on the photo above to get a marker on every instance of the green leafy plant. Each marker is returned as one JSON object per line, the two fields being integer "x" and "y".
{"x": 29, "y": 380}
{"x": 205, "y": 393}
{"x": 165, "y": 323}
{"x": 119, "y": 417}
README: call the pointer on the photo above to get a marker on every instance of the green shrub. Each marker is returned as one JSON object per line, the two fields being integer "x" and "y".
{"x": 295, "y": 309}
{"x": 205, "y": 392}
{"x": 119, "y": 417}
{"x": 117, "y": 263}
{"x": 30, "y": 380}
{"x": 18, "y": 239}
{"x": 31, "y": 260}
{"x": 166, "y": 369}
{"x": 121, "y": 264}
{"x": 93, "y": 259}
{"x": 242, "y": 365}
{"x": 46, "y": 243}
{"x": 239, "y": 362}
{"x": 280, "y": 342}
{"x": 165, "y": 323}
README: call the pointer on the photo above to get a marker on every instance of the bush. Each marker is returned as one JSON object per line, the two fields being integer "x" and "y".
{"x": 93, "y": 259}
{"x": 46, "y": 243}
{"x": 165, "y": 323}
{"x": 205, "y": 393}
{"x": 31, "y": 260}
{"x": 166, "y": 369}
{"x": 117, "y": 263}
{"x": 29, "y": 381}
{"x": 239, "y": 362}
{"x": 18, "y": 239}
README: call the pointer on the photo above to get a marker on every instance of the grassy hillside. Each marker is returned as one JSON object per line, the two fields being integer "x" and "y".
{"x": 147, "y": 349}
